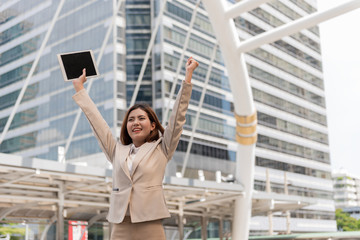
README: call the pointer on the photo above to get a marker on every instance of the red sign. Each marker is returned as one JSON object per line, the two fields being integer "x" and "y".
{"x": 78, "y": 230}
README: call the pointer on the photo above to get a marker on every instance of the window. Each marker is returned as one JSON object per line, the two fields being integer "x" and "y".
{"x": 287, "y": 67}
{"x": 208, "y": 151}
{"x": 276, "y": 123}
{"x": 289, "y": 107}
{"x": 275, "y": 81}
{"x": 268, "y": 163}
{"x": 293, "y": 149}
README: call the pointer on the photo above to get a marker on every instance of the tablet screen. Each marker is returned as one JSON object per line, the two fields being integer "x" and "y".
{"x": 74, "y": 63}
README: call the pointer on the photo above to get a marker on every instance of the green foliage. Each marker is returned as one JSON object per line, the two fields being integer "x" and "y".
{"x": 345, "y": 222}
{"x": 12, "y": 230}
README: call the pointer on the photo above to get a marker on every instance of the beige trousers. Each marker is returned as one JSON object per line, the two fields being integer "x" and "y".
{"x": 151, "y": 230}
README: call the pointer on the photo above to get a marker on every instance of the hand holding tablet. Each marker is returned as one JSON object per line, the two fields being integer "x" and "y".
{"x": 73, "y": 63}
{"x": 79, "y": 82}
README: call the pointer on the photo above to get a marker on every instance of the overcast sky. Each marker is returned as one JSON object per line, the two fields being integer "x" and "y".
{"x": 340, "y": 40}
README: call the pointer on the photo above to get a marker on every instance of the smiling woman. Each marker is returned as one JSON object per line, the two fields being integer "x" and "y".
{"x": 142, "y": 125}
{"x": 137, "y": 201}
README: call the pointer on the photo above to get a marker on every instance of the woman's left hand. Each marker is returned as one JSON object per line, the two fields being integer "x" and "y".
{"x": 191, "y": 65}
{"x": 79, "y": 82}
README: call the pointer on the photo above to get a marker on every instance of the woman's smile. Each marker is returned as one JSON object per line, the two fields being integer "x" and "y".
{"x": 137, "y": 130}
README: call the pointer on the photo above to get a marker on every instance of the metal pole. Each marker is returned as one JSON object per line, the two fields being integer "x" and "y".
{"x": 270, "y": 215}
{"x": 270, "y": 218}
{"x": 60, "y": 217}
{"x": 268, "y": 186}
{"x": 188, "y": 234}
{"x": 221, "y": 229}
{"x": 204, "y": 222}
{"x": 228, "y": 40}
{"x": 181, "y": 222}
{"x": 297, "y": 25}
{"x": 26, "y": 232}
{"x": 52, "y": 220}
{"x": 286, "y": 191}
{"x": 115, "y": 65}
{"x": 32, "y": 70}
{"x": 243, "y": 6}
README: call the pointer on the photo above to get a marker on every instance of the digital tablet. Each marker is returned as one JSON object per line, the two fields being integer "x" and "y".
{"x": 73, "y": 63}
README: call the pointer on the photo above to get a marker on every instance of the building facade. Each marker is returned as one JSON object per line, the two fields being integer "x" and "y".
{"x": 286, "y": 78}
{"x": 346, "y": 190}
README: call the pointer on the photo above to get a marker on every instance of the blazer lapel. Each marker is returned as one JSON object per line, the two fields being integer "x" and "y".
{"x": 123, "y": 160}
{"x": 144, "y": 149}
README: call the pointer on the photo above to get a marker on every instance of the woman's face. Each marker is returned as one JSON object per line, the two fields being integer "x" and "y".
{"x": 139, "y": 126}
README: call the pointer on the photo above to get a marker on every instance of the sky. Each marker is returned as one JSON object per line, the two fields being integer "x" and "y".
{"x": 340, "y": 45}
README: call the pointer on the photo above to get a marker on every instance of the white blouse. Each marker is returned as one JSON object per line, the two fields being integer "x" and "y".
{"x": 132, "y": 153}
{"x": 129, "y": 160}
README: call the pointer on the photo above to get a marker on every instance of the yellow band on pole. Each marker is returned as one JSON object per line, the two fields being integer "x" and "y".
{"x": 246, "y": 130}
{"x": 246, "y": 140}
{"x": 246, "y": 119}
{"x": 249, "y": 129}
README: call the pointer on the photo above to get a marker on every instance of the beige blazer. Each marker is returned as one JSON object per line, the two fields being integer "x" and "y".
{"x": 142, "y": 191}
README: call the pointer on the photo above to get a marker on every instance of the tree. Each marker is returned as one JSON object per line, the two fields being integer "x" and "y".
{"x": 12, "y": 229}
{"x": 345, "y": 222}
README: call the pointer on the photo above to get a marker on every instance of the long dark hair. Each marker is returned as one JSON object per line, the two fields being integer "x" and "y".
{"x": 153, "y": 136}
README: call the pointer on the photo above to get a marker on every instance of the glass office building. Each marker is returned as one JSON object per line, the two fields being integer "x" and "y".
{"x": 286, "y": 78}
{"x": 47, "y": 111}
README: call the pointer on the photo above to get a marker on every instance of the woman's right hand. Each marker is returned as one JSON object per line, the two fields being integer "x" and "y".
{"x": 79, "y": 82}
{"x": 191, "y": 65}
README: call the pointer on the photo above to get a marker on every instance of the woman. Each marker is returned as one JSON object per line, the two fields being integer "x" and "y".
{"x": 137, "y": 202}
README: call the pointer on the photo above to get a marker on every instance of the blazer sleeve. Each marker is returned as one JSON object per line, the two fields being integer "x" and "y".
{"x": 176, "y": 120}
{"x": 99, "y": 126}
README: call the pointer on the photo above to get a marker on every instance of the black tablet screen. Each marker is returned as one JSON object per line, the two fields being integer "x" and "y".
{"x": 74, "y": 63}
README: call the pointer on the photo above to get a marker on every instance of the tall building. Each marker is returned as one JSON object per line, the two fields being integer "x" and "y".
{"x": 286, "y": 79}
{"x": 346, "y": 189}
{"x": 47, "y": 110}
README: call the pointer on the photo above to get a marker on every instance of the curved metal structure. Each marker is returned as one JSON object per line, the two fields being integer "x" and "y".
{"x": 245, "y": 113}
{"x": 51, "y": 221}
{"x": 221, "y": 15}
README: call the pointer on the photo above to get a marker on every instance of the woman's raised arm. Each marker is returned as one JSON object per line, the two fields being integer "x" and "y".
{"x": 100, "y": 128}
{"x": 177, "y": 118}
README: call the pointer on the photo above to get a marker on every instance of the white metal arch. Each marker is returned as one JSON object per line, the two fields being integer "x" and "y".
{"x": 221, "y": 15}
{"x": 51, "y": 221}
{"x": 6, "y": 212}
